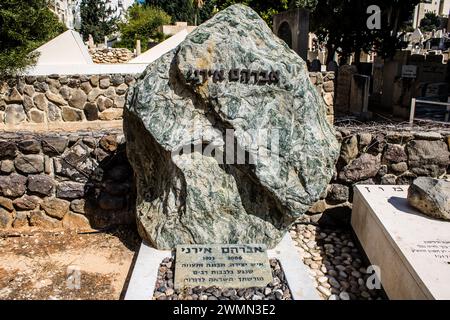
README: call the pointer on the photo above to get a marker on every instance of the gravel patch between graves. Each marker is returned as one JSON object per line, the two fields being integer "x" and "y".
{"x": 164, "y": 289}
{"x": 335, "y": 263}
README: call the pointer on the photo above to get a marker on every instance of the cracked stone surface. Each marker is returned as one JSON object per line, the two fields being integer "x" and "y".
{"x": 178, "y": 141}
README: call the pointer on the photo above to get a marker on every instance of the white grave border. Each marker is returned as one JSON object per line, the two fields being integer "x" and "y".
{"x": 143, "y": 278}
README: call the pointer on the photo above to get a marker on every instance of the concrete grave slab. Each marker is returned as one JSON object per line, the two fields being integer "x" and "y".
{"x": 411, "y": 249}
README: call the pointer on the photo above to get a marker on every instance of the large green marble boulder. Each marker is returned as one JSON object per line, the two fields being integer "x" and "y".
{"x": 227, "y": 137}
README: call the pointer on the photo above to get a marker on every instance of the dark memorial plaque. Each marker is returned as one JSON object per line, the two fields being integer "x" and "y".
{"x": 222, "y": 265}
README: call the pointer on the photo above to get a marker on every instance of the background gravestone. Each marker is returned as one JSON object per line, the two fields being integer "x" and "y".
{"x": 231, "y": 74}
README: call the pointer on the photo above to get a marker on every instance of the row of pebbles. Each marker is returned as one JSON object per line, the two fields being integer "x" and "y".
{"x": 335, "y": 263}
{"x": 164, "y": 289}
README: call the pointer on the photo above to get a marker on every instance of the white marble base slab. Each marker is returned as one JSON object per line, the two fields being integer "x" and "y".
{"x": 411, "y": 249}
{"x": 145, "y": 272}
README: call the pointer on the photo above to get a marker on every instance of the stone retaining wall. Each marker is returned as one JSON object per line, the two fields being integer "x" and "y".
{"x": 83, "y": 179}
{"x": 110, "y": 55}
{"x": 80, "y": 98}
{"x": 392, "y": 158}
{"x": 74, "y": 180}
{"x": 54, "y": 98}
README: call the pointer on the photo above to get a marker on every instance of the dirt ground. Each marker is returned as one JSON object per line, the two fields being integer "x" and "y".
{"x": 66, "y": 265}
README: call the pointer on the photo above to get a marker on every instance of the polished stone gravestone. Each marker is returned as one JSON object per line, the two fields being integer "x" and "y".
{"x": 411, "y": 249}
{"x": 222, "y": 265}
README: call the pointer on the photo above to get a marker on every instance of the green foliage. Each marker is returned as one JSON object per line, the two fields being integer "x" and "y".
{"x": 97, "y": 19}
{"x": 306, "y": 4}
{"x": 266, "y": 9}
{"x": 342, "y": 25}
{"x": 24, "y": 26}
{"x": 430, "y": 22}
{"x": 179, "y": 10}
{"x": 143, "y": 23}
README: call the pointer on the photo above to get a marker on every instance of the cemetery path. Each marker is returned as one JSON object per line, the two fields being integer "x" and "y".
{"x": 65, "y": 264}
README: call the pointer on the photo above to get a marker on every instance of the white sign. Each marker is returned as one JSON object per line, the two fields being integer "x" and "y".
{"x": 409, "y": 71}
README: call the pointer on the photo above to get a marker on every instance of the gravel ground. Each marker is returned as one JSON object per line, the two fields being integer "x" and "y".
{"x": 276, "y": 290}
{"x": 335, "y": 263}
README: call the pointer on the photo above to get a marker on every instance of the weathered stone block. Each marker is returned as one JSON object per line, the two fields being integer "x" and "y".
{"x": 21, "y": 220}
{"x": 364, "y": 167}
{"x": 8, "y": 149}
{"x": 104, "y": 103}
{"x": 338, "y": 193}
{"x": 90, "y": 111}
{"x": 37, "y": 116}
{"x": 196, "y": 199}
{"x": 55, "y": 208}
{"x": 6, "y": 204}
{"x": 75, "y": 221}
{"x": 431, "y": 197}
{"x": 111, "y": 114}
{"x": 108, "y": 143}
{"x": 78, "y": 206}
{"x": 7, "y": 166}
{"x": 54, "y": 113}
{"x": 40, "y": 101}
{"x": 29, "y": 146}
{"x": 54, "y": 145}
{"x": 41, "y": 184}
{"x": 30, "y": 163}
{"x": 75, "y": 163}
{"x": 27, "y": 103}
{"x": 65, "y": 92}
{"x": 94, "y": 80}
{"x": 394, "y": 153}
{"x": 29, "y": 90}
{"x": 55, "y": 98}
{"x": 70, "y": 190}
{"x": 349, "y": 149}
{"x": 428, "y": 158}
{"x": 70, "y": 114}
{"x": 6, "y": 218}
{"x": 41, "y": 220}
{"x": 399, "y": 167}
{"x": 120, "y": 90}
{"x": 13, "y": 185}
{"x": 26, "y": 203}
{"x": 389, "y": 179}
{"x": 14, "y": 96}
{"x": 78, "y": 99}
{"x": 104, "y": 83}
{"x": 15, "y": 114}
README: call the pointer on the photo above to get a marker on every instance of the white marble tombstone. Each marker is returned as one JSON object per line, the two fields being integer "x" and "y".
{"x": 411, "y": 249}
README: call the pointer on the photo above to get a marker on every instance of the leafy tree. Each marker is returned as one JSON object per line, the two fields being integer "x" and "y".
{"x": 198, "y": 4}
{"x": 344, "y": 30}
{"x": 97, "y": 19}
{"x": 266, "y": 9}
{"x": 24, "y": 26}
{"x": 142, "y": 23}
{"x": 430, "y": 22}
{"x": 179, "y": 10}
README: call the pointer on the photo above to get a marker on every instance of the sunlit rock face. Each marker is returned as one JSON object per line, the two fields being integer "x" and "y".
{"x": 227, "y": 136}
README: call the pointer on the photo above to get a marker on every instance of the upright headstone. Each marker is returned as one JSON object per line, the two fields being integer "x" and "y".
{"x": 316, "y": 66}
{"x": 296, "y": 22}
{"x": 227, "y": 136}
{"x": 359, "y": 95}
{"x": 91, "y": 43}
{"x": 332, "y": 66}
{"x": 343, "y": 87}
{"x": 138, "y": 47}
